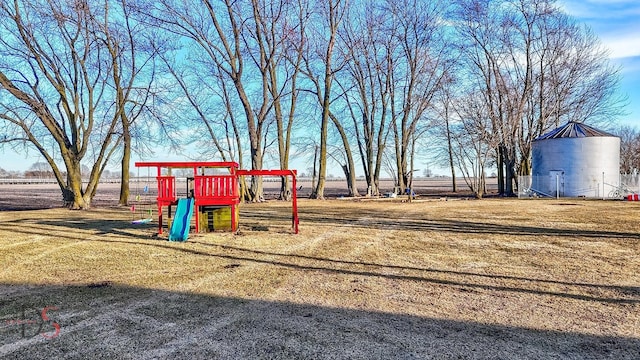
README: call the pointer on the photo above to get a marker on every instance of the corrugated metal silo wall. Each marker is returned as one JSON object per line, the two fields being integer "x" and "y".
{"x": 576, "y": 166}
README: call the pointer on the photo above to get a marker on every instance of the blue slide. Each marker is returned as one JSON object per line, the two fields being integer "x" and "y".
{"x": 182, "y": 220}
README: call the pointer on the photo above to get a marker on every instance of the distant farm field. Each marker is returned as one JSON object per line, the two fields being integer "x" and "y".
{"x": 456, "y": 279}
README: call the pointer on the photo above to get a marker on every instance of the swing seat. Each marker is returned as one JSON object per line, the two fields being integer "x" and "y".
{"x": 141, "y": 221}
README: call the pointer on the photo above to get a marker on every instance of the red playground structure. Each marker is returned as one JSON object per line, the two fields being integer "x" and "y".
{"x": 213, "y": 187}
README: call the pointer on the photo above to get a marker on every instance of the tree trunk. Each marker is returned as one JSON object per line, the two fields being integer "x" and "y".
{"x": 351, "y": 182}
{"x": 72, "y": 192}
{"x": 398, "y": 156}
{"x": 525, "y": 165}
{"x": 351, "y": 179}
{"x": 283, "y": 150}
{"x": 318, "y": 192}
{"x": 481, "y": 183}
{"x": 125, "y": 166}
{"x": 283, "y": 144}
{"x": 450, "y": 150}
{"x": 412, "y": 167}
{"x": 500, "y": 165}
{"x": 510, "y": 175}
{"x": 255, "y": 188}
{"x": 314, "y": 175}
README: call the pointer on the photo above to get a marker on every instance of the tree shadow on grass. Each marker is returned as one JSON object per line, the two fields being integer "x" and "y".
{"x": 110, "y": 321}
{"x": 118, "y": 232}
{"x": 379, "y": 220}
{"x": 622, "y": 295}
{"x": 81, "y": 228}
{"x": 633, "y": 292}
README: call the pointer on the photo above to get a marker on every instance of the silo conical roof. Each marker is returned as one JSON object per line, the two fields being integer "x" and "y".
{"x": 573, "y": 129}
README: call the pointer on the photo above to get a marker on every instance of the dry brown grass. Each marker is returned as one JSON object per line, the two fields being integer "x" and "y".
{"x": 444, "y": 279}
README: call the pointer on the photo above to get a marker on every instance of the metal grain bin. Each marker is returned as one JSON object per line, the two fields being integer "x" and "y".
{"x": 576, "y": 160}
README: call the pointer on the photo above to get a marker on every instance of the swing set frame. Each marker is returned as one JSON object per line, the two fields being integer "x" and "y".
{"x": 141, "y": 220}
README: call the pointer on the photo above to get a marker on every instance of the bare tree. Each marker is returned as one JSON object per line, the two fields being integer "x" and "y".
{"x": 572, "y": 81}
{"x": 279, "y": 37}
{"x": 55, "y": 78}
{"x": 444, "y": 132}
{"x": 629, "y": 149}
{"x": 132, "y": 70}
{"x": 218, "y": 30}
{"x": 534, "y": 67}
{"x": 348, "y": 166}
{"x": 331, "y": 13}
{"x": 204, "y": 103}
{"x": 488, "y": 30}
{"x": 251, "y": 45}
{"x": 420, "y": 69}
{"x": 204, "y": 106}
{"x": 368, "y": 42}
{"x": 472, "y": 141}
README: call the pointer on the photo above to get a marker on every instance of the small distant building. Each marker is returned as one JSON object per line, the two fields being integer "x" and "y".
{"x": 576, "y": 160}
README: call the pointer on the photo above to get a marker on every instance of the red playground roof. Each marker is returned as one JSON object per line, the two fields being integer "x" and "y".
{"x": 188, "y": 164}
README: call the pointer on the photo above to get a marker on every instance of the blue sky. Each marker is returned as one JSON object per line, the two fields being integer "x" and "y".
{"x": 615, "y": 22}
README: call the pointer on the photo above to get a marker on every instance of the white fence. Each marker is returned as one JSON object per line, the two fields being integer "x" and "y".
{"x": 531, "y": 186}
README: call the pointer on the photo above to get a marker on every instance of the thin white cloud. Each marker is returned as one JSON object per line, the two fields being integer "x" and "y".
{"x": 623, "y": 46}
{"x": 601, "y": 10}
{"x": 615, "y": 22}
{"x": 630, "y": 68}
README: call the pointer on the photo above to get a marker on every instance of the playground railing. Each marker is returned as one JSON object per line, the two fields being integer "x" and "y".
{"x": 216, "y": 189}
{"x": 166, "y": 190}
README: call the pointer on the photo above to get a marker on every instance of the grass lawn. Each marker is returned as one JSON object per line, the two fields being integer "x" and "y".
{"x": 501, "y": 278}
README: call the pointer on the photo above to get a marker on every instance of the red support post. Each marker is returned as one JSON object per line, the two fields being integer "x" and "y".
{"x": 294, "y": 201}
{"x": 292, "y": 173}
